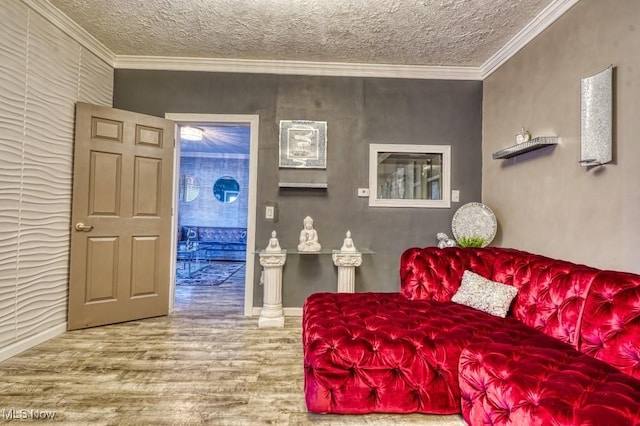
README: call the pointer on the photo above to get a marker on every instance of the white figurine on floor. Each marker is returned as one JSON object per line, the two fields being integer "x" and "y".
{"x": 308, "y": 237}
{"x": 444, "y": 240}
{"x": 274, "y": 245}
{"x": 348, "y": 246}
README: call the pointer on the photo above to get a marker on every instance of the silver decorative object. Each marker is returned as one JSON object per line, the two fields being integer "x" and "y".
{"x": 474, "y": 220}
{"x": 444, "y": 240}
{"x": 597, "y": 118}
{"x": 523, "y": 136}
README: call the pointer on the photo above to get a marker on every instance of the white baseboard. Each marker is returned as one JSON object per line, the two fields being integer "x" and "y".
{"x": 288, "y": 312}
{"x": 21, "y": 346}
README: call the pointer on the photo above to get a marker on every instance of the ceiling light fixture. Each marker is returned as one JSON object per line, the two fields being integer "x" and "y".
{"x": 191, "y": 133}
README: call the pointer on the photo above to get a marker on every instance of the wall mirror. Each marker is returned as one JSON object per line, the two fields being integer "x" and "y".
{"x": 189, "y": 188}
{"x": 409, "y": 175}
{"x": 226, "y": 189}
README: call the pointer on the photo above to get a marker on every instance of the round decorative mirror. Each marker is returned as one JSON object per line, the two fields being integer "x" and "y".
{"x": 190, "y": 188}
{"x": 226, "y": 189}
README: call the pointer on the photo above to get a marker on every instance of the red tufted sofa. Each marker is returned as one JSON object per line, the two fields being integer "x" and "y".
{"x": 568, "y": 353}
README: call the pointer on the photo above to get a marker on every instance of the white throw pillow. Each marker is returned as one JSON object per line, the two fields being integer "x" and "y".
{"x": 485, "y": 295}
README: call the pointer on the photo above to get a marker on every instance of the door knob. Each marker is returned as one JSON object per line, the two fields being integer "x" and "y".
{"x": 82, "y": 227}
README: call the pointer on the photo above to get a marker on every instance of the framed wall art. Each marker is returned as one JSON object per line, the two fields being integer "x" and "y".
{"x": 303, "y": 144}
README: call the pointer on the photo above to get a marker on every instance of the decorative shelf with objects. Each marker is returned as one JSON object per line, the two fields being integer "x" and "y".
{"x": 528, "y": 146}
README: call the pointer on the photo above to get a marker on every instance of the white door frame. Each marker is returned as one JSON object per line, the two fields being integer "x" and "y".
{"x": 252, "y": 120}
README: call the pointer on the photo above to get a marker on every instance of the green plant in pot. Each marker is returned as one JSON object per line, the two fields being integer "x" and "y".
{"x": 471, "y": 241}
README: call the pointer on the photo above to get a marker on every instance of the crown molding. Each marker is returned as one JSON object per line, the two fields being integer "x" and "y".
{"x": 334, "y": 69}
{"x": 541, "y": 22}
{"x": 70, "y": 28}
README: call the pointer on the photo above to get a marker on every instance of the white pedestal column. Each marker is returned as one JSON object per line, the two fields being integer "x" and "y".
{"x": 347, "y": 263}
{"x": 271, "y": 314}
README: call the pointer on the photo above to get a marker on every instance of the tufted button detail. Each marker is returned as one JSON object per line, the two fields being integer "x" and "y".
{"x": 417, "y": 351}
{"x": 554, "y": 385}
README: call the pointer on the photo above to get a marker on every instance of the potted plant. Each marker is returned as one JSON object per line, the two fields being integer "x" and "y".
{"x": 471, "y": 241}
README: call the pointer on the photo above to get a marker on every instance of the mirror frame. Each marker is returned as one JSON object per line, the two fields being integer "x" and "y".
{"x": 445, "y": 175}
{"x": 225, "y": 198}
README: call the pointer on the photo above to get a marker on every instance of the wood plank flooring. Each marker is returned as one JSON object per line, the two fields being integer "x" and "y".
{"x": 204, "y": 364}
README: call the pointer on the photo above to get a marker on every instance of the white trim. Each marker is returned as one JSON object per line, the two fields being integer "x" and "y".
{"x": 28, "y": 343}
{"x": 253, "y": 121}
{"x": 70, "y": 28}
{"x": 288, "y": 312}
{"x": 174, "y": 218}
{"x": 541, "y": 22}
{"x": 334, "y": 69}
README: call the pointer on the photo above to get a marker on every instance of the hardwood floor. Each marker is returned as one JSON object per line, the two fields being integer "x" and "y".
{"x": 204, "y": 364}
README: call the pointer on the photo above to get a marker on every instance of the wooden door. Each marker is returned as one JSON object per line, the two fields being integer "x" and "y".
{"x": 121, "y": 217}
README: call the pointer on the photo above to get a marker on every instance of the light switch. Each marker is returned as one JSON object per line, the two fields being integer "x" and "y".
{"x": 455, "y": 196}
{"x": 269, "y": 212}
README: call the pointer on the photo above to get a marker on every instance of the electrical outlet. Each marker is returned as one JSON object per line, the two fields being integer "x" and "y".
{"x": 269, "y": 212}
{"x": 363, "y": 192}
{"x": 455, "y": 196}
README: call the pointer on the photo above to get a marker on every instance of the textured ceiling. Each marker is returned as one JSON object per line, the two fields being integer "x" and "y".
{"x": 402, "y": 32}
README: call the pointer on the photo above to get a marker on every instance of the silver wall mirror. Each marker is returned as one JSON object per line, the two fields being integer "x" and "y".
{"x": 597, "y": 118}
{"x": 189, "y": 188}
{"x": 226, "y": 189}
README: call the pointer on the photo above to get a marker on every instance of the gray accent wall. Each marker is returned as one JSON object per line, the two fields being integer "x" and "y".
{"x": 545, "y": 201}
{"x": 359, "y": 111}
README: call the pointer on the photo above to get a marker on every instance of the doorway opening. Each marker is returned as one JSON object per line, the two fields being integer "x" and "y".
{"x": 215, "y": 179}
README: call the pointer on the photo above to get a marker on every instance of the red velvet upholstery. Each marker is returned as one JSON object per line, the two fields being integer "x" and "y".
{"x": 538, "y": 380}
{"x": 379, "y": 352}
{"x": 401, "y": 352}
{"x": 611, "y": 321}
{"x": 436, "y": 274}
{"x": 551, "y": 292}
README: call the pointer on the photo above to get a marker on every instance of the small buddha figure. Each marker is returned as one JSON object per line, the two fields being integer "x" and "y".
{"x": 274, "y": 245}
{"x": 348, "y": 246}
{"x": 308, "y": 237}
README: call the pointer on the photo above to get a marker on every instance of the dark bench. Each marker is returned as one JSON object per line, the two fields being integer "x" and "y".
{"x": 218, "y": 243}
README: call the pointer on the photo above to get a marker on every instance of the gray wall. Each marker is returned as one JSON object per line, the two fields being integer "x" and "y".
{"x": 545, "y": 201}
{"x": 359, "y": 111}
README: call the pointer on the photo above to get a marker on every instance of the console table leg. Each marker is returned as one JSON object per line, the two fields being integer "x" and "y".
{"x": 347, "y": 263}
{"x": 271, "y": 314}
{"x": 346, "y": 279}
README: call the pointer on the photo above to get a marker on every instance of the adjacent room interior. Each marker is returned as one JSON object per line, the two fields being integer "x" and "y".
{"x": 213, "y": 202}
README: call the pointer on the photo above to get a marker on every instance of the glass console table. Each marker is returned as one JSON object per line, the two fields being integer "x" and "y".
{"x": 272, "y": 314}
{"x": 192, "y": 258}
